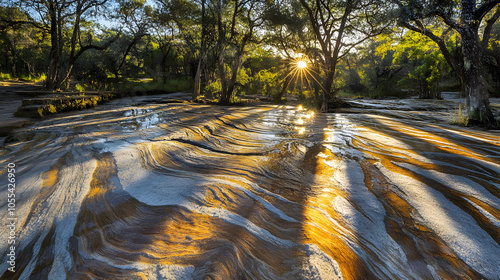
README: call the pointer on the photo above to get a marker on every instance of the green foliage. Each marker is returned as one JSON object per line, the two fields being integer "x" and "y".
{"x": 52, "y": 109}
{"x": 372, "y": 71}
{"x": 491, "y": 60}
{"x": 242, "y": 77}
{"x": 182, "y": 85}
{"x": 160, "y": 45}
{"x": 263, "y": 82}
{"x": 5, "y": 76}
{"x": 213, "y": 89}
{"x": 427, "y": 59}
{"x": 413, "y": 62}
{"x": 80, "y": 88}
{"x": 23, "y": 48}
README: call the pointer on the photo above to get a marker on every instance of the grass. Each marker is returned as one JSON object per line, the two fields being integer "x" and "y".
{"x": 5, "y": 76}
{"x": 58, "y": 105}
{"x": 24, "y": 77}
{"x": 460, "y": 117}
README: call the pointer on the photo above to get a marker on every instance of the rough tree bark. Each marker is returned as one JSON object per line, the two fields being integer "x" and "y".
{"x": 476, "y": 90}
{"x": 468, "y": 66}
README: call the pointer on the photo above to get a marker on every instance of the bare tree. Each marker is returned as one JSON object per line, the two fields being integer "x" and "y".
{"x": 467, "y": 17}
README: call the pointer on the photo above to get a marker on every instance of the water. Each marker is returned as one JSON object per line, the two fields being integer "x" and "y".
{"x": 179, "y": 191}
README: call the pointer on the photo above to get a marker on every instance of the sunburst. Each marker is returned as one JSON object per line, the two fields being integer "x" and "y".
{"x": 301, "y": 64}
{"x": 301, "y": 71}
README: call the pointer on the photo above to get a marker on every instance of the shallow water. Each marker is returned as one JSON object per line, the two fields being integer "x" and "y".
{"x": 178, "y": 191}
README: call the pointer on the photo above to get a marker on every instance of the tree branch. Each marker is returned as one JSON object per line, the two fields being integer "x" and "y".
{"x": 439, "y": 41}
{"x": 314, "y": 24}
{"x": 484, "y": 9}
{"x": 447, "y": 20}
{"x": 99, "y": 48}
{"x": 10, "y": 23}
{"x": 488, "y": 27}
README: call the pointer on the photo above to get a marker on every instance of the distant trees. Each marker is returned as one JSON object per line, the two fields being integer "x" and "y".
{"x": 419, "y": 58}
{"x": 235, "y": 32}
{"x": 466, "y": 17}
{"x": 134, "y": 17}
{"x": 23, "y": 48}
{"x": 65, "y": 20}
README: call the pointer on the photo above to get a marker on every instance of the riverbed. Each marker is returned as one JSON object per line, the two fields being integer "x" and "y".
{"x": 140, "y": 188}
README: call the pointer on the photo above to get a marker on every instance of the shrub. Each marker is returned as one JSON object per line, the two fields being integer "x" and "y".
{"x": 80, "y": 88}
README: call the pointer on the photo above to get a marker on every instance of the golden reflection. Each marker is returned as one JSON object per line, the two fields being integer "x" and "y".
{"x": 324, "y": 226}
{"x": 441, "y": 143}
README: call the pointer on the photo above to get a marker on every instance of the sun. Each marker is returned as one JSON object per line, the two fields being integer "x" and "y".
{"x": 301, "y": 64}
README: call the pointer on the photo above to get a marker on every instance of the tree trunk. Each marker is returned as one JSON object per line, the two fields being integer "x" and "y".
{"x": 328, "y": 97}
{"x": 283, "y": 90}
{"x": 163, "y": 66}
{"x": 202, "y": 61}
{"x": 224, "y": 98}
{"x": 236, "y": 68}
{"x": 197, "y": 79}
{"x": 51, "y": 82}
{"x": 476, "y": 91}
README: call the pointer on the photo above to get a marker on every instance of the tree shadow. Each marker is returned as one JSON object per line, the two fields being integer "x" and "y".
{"x": 248, "y": 222}
{"x": 252, "y": 193}
{"x": 428, "y": 157}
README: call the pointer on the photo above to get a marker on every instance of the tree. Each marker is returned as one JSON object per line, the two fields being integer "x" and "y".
{"x": 376, "y": 66}
{"x": 185, "y": 14}
{"x": 288, "y": 35}
{"x": 162, "y": 36}
{"x": 423, "y": 62}
{"x": 340, "y": 26}
{"x": 22, "y": 47}
{"x": 135, "y": 18}
{"x": 492, "y": 62}
{"x": 202, "y": 63}
{"x": 64, "y": 20}
{"x": 466, "y": 17}
{"x": 236, "y": 24}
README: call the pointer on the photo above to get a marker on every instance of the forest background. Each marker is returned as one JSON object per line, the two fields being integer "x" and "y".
{"x": 319, "y": 50}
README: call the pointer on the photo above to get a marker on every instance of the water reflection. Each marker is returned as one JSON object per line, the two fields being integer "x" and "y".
{"x": 143, "y": 118}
